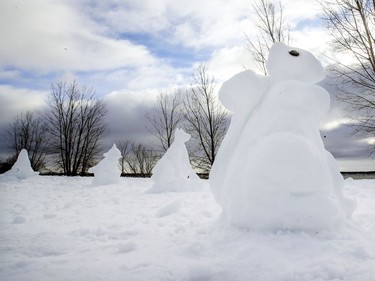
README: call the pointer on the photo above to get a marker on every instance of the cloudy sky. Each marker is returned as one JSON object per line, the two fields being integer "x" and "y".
{"x": 130, "y": 50}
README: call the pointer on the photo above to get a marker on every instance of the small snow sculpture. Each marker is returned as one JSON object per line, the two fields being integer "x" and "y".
{"x": 107, "y": 171}
{"x": 173, "y": 172}
{"x": 272, "y": 170}
{"x": 22, "y": 168}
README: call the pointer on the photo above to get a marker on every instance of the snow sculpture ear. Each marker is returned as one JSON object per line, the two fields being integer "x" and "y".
{"x": 286, "y": 63}
{"x": 242, "y": 92}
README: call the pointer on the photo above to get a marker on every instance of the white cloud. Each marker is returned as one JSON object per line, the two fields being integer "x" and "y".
{"x": 127, "y": 114}
{"x": 117, "y": 16}
{"x": 17, "y": 100}
{"x": 192, "y": 23}
{"x": 370, "y": 140}
{"x": 227, "y": 62}
{"x": 49, "y": 36}
{"x": 9, "y": 74}
{"x": 87, "y": 36}
{"x": 213, "y": 23}
{"x": 297, "y": 11}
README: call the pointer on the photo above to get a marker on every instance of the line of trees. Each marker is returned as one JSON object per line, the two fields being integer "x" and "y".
{"x": 70, "y": 130}
{"x": 199, "y": 112}
{"x": 137, "y": 159}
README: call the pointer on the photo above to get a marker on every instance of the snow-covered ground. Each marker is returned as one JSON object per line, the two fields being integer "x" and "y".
{"x": 59, "y": 228}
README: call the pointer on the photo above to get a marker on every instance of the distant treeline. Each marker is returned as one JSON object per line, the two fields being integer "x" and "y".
{"x": 66, "y": 137}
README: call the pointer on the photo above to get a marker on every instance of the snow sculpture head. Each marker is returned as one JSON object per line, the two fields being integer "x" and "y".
{"x": 286, "y": 63}
{"x": 181, "y": 136}
{"x": 272, "y": 171}
{"x": 173, "y": 172}
{"x": 107, "y": 171}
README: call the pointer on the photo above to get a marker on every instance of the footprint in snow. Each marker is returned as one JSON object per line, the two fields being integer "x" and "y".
{"x": 169, "y": 209}
{"x": 19, "y": 220}
{"x": 127, "y": 247}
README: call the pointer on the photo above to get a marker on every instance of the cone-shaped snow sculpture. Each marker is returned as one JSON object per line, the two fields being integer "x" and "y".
{"x": 22, "y": 168}
{"x": 107, "y": 171}
{"x": 272, "y": 170}
{"x": 173, "y": 172}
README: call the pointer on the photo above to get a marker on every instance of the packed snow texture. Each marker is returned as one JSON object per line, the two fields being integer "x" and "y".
{"x": 21, "y": 169}
{"x": 62, "y": 228}
{"x": 173, "y": 172}
{"x": 272, "y": 170}
{"x": 107, "y": 170}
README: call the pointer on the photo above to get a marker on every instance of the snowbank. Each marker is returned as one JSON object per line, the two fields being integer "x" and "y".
{"x": 62, "y": 228}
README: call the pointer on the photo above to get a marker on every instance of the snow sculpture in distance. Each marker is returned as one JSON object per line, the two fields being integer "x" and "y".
{"x": 22, "y": 168}
{"x": 272, "y": 171}
{"x": 107, "y": 170}
{"x": 173, "y": 172}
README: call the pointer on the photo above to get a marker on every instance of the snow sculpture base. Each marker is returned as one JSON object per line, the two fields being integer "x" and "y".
{"x": 272, "y": 170}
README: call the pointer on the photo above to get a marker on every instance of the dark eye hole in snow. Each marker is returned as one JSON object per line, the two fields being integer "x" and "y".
{"x": 294, "y": 53}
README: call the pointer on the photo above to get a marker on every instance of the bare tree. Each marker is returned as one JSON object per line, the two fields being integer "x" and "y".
{"x": 351, "y": 24}
{"x": 137, "y": 158}
{"x": 272, "y": 28}
{"x": 206, "y": 118}
{"x": 29, "y": 132}
{"x": 75, "y": 121}
{"x": 124, "y": 146}
{"x": 143, "y": 160}
{"x": 165, "y": 118}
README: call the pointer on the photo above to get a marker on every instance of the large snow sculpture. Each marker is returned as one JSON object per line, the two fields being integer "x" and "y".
{"x": 107, "y": 171}
{"x": 22, "y": 168}
{"x": 173, "y": 172}
{"x": 272, "y": 170}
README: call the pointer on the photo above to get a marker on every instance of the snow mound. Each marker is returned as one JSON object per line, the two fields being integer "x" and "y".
{"x": 21, "y": 169}
{"x": 173, "y": 172}
{"x": 272, "y": 171}
{"x": 107, "y": 171}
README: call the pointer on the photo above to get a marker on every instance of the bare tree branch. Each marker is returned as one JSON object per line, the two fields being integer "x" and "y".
{"x": 351, "y": 24}
{"x": 136, "y": 158}
{"x": 29, "y": 132}
{"x": 75, "y": 122}
{"x": 206, "y": 118}
{"x": 272, "y": 28}
{"x": 166, "y": 117}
